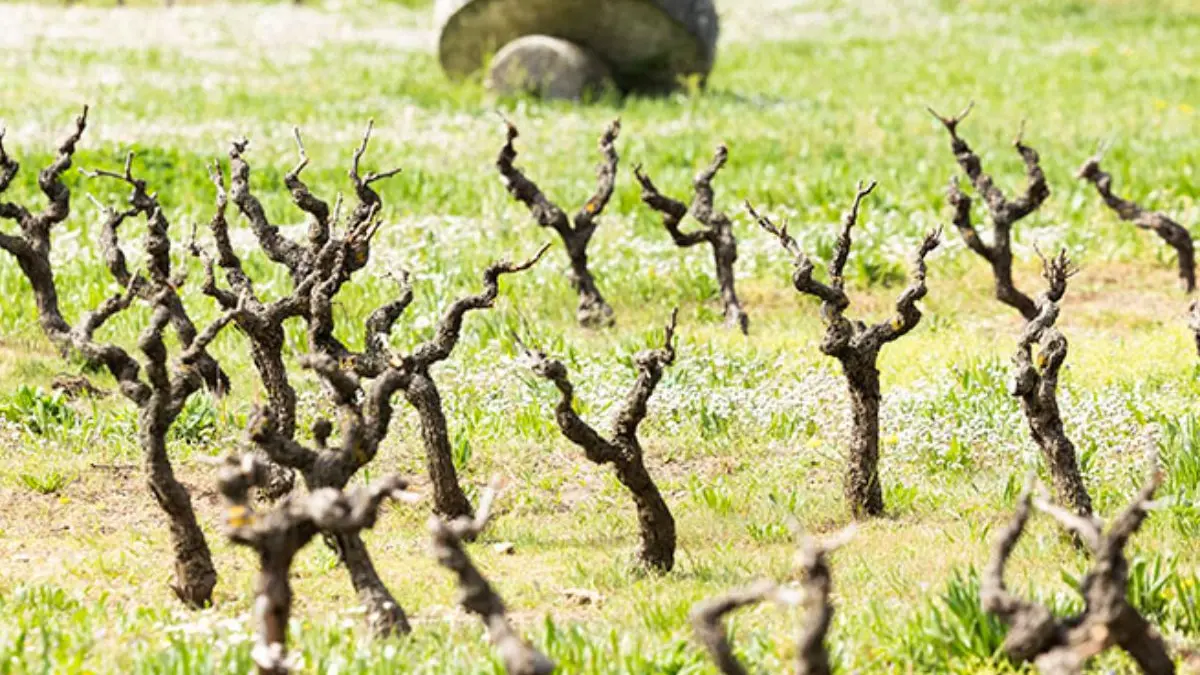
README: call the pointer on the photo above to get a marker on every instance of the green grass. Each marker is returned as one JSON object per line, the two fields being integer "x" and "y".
{"x": 744, "y": 434}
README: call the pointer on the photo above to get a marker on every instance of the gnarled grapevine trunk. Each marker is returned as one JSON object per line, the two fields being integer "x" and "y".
{"x": 195, "y": 575}
{"x": 856, "y": 346}
{"x": 278, "y": 535}
{"x": 623, "y": 450}
{"x": 322, "y": 263}
{"x": 166, "y": 387}
{"x": 448, "y": 496}
{"x": 717, "y": 232}
{"x": 32, "y": 249}
{"x": 478, "y": 597}
{"x": 1035, "y": 382}
{"x": 576, "y": 233}
{"x": 362, "y": 386}
{"x": 1004, "y": 212}
{"x": 862, "y": 487}
{"x": 811, "y": 656}
{"x": 1064, "y": 646}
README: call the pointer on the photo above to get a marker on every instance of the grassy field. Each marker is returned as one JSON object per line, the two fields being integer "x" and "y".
{"x": 743, "y": 433}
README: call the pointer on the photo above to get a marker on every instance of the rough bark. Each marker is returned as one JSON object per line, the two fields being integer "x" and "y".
{"x": 856, "y": 345}
{"x": 160, "y": 399}
{"x": 365, "y": 412}
{"x": 421, "y": 391}
{"x": 1175, "y": 235}
{"x": 363, "y": 425}
{"x": 32, "y": 247}
{"x": 1064, "y": 646}
{"x": 576, "y": 233}
{"x": 319, "y": 269}
{"x": 811, "y": 655}
{"x": 308, "y": 263}
{"x": 164, "y": 399}
{"x": 157, "y": 245}
{"x": 717, "y": 231}
{"x": 622, "y": 450}
{"x": 477, "y": 595}
{"x": 276, "y": 536}
{"x": 1035, "y": 382}
{"x": 1004, "y": 212}
{"x": 166, "y": 388}
{"x": 324, "y": 261}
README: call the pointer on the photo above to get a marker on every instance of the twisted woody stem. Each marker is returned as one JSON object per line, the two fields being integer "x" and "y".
{"x": 309, "y": 263}
{"x": 277, "y": 535}
{"x": 421, "y": 390}
{"x": 366, "y": 414}
{"x": 1035, "y": 383}
{"x": 622, "y": 449}
{"x": 1004, "y": 211}
{"x": 811, "y": 656}
{"x": 319, "y": 265}
{"x": 162, "y": 393}
{"x": 31, "y": 247}
{"x": 576, "y": 232}
{"x": 717, "y": 231}
{"x": 477, "y": 595}
{"x": 1064, "y": 646}
{"x": 856, "y": 345}
{"x": 1172, "y": 233}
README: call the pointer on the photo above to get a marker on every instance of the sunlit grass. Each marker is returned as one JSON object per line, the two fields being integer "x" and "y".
{"x": 745, "y": 435}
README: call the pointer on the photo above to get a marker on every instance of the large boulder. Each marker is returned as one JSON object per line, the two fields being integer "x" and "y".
{"x": 644, "y": 45}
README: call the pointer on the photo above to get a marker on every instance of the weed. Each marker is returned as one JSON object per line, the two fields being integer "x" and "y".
{"x": 46, "y": 483}
{"x": 37, "y": 411}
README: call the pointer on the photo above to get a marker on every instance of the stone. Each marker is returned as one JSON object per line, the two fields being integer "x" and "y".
{"x": 646, "y": 45}
{"x": 549, "y": 67}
